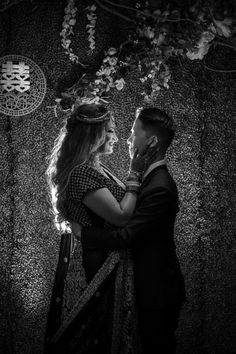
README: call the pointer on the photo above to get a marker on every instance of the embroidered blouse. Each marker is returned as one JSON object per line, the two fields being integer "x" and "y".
{"x": 83, "y": 179}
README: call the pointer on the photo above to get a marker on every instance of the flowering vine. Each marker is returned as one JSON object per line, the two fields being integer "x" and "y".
{"x": 92, "y": 17}
{"x": 93, "y": 91}
{"x": 156, "y": 35}
{"x": 67, "y": 30}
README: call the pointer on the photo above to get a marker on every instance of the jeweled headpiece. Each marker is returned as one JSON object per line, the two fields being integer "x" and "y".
{"x": 100, "y": 119}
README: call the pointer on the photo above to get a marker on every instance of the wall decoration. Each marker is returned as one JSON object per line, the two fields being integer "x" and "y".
{"x": 22, "y": 85}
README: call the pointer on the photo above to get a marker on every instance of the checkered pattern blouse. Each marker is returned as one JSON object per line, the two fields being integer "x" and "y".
{"x": 83, "y": 179}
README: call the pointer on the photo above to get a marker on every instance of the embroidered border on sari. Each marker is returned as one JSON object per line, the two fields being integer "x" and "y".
{"x": 91, "y": 289}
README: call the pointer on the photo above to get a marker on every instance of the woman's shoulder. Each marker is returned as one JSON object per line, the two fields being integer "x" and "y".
{"x": 84, "y": 178}
{"x": 84, "y": 170}
{"x": 87, "y": 175}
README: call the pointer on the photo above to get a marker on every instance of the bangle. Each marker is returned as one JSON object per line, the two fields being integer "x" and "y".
{"x": 133, "y": 184}
{"x": 132, "y": 189}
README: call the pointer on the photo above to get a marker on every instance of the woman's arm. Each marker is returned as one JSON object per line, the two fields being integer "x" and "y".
{"x": 103, "y": 203}
{"x": 157, "y": 211}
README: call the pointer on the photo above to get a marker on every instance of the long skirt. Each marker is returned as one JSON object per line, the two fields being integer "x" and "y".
{"x": 102, "y": 317}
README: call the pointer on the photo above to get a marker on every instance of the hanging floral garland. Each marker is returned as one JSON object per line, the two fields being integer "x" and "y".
{"x": 156, "y": 35}
{"x": 67, "y": 30}
{"x": 92, "y": 17}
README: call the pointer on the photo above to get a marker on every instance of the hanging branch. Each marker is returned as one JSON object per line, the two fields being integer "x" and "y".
{"x": 114, "y": 12}
{"x": 9, "y": 5}
{"x": 219, "y": 70}
{"x": 148, "y": 47}
{"x": 125, "y": 7}
{"x": 224, "y": 45}
{"x": 142, "y": 13}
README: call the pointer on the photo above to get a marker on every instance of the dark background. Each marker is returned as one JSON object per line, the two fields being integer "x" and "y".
{"x": 201, "y": 159}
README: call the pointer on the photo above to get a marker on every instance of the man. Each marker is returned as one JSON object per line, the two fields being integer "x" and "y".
{"x": 149, "y": 234}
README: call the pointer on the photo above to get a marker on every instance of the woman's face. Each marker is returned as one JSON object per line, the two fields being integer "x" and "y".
{"x": 110, "y": 139}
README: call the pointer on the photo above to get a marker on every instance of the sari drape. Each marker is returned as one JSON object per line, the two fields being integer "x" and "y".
{"x": 103, "y": 319}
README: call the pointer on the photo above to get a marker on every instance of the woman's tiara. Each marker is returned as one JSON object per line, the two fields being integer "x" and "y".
{"x": 103, "y": 118}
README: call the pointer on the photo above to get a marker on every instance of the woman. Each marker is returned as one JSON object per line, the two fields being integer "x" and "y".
{"x": 92, "y": 306}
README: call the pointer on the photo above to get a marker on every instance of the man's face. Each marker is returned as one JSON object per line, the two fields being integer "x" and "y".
{"x": 138, "y": 138}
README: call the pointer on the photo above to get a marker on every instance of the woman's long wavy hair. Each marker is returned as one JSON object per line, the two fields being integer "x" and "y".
{"x": 79, "y": 139}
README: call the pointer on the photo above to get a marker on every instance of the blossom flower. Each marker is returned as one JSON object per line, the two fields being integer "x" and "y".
{"x": 202, "y": 46}
{"x": 112, "y": 51}
{"x": 158, "y": 41}
{"x": 72, "y": 22}
{"x": 198, "y": 53}
{"x": 67, "y": 29}
{"x": 92, "y": 17}
{"x": 93, "y": 8}
{"x": 143, "y": 79}
{"x": 119, "y": 84}
{"x": 112, "y": 61}
{"x": 223, "y": 27}
{"x": 149, "y": 32}
{"x": 206, "y": 37}
{"x": 106, "y": 71}
{"x": 156, "y": 86}
{"x": 146, "y": 31}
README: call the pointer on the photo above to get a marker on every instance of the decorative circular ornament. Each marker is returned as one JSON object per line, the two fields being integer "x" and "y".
{"x": 22, "y": 85}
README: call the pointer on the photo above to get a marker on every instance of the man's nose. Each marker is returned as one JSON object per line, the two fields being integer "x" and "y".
{"x": 129, "y": 140}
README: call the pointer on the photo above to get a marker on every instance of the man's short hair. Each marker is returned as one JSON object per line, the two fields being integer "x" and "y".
{"x": 157, "y": 122}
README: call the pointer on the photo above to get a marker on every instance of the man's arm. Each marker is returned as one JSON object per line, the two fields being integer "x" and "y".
{"x": 149, "y": 215}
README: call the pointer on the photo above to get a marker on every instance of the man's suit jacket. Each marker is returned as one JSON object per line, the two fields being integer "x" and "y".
{"x": 150, "y": 235}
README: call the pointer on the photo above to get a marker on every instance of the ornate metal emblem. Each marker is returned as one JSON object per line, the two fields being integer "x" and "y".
{"x": 22, "y": 85}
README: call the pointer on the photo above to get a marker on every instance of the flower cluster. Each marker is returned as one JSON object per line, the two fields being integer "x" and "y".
{"x": 160, "y": 34}
{"x": 223, "y": 28}
{"x": 67, "y": 29}
{"x": 202, "y": 46}
{"x": 95, "y": 90}
{"x": 155, "y": 36}
{"x": 106, "y": 75}
{"x": 92, "y": 17}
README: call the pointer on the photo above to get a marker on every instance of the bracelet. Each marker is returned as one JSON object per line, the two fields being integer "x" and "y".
{"x": 133, "y": 183}
{"x": 132, "y": 189}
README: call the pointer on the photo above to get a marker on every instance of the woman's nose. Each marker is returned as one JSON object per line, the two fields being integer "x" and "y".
{"x": 115, "y": 137}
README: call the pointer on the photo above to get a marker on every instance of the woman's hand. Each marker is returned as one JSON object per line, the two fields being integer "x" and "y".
{"x": 76, "y": 229}
{"x": 138, "y": 166}
{"x": 143, "y": 158}
{"x": 137, "y": 163}
{"x": 150, "y": 153}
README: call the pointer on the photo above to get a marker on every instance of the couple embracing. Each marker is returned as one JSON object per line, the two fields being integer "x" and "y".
{"x": 118, "y": 286}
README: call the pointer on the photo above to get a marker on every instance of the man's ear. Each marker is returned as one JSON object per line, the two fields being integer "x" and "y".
{"x": 153, "y": 140}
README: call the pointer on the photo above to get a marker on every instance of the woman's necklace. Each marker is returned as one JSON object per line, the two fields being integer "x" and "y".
{"x": 95, "y": 164}
{"x": 114, "y": 178}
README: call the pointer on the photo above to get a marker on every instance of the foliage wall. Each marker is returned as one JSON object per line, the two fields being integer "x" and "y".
{"x": 201, "y": 159}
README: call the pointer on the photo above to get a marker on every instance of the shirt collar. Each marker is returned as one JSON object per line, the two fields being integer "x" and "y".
{"x": 154, "y": 165}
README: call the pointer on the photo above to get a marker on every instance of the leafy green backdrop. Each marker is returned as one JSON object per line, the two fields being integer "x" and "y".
{"x": 201, "y": 159}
